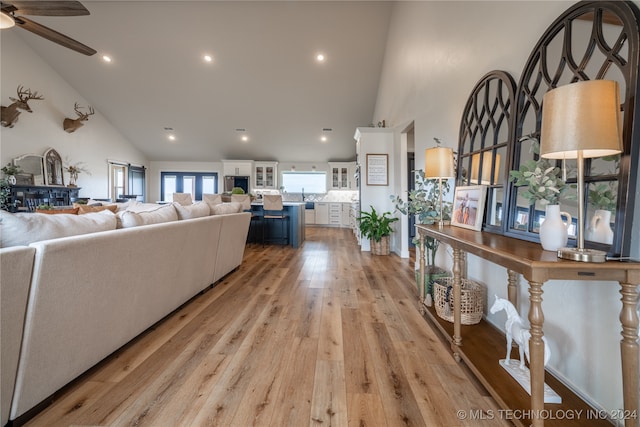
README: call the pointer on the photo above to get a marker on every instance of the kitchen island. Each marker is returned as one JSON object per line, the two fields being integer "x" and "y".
{"x": 295, "y": 225}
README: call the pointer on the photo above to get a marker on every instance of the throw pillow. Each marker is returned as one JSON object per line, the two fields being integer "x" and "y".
{"x": 196, "y": 210}
{"x": 71, "y": 211}
{"x": 25, "y": 228}
{"x": 183, "y": 198}
{"x": 85, "y": 209}
{"x": 164, "y": 213}
{"x": 226, "y": 208}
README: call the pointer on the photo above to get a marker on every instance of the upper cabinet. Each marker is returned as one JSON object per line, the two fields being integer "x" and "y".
{"x": 265, "y": 175}
{"x": 341, "y": 176}
{"x": 237, "y": 167}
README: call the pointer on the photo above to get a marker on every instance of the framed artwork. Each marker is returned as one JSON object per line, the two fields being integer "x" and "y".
{"x": 377, "y": 169}
{"x": 468, "y": 206}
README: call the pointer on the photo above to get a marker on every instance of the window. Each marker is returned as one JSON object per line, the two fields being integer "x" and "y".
{"x": 194, "y": 183}
{"x": 304, "y": 182}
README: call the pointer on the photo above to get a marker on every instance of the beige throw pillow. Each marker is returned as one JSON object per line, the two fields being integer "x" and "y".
{"x": 226, "y": 208}
{"x": 183, "y": 198}
{"x": 196, "y": 210}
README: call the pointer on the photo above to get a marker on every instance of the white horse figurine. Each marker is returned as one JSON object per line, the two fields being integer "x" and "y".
{"x": 516, "y": 331}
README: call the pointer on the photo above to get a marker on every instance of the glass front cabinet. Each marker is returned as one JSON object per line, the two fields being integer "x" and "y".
{"x": 341, "y": 176}
{"x": 265, "y": 174}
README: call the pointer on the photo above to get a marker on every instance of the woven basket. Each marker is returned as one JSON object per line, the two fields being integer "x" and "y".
{"x": 471, "y": 301}
{"x": 381, "y": 247}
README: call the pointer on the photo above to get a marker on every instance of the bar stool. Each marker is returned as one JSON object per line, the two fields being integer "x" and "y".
{"x": 274, "y": 210}
{"x": 245, "y": 201}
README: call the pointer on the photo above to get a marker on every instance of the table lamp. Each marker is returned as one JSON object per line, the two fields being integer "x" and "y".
{"x": 581, "y": 120}
{"x": 438, "y": 164}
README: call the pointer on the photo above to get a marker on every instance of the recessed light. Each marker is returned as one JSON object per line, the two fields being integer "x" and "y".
{"x": 320, "y": 57}
{"x": 323, "y": 138}
{"x": 207, "y": 58}
{"x": 106, "y": 58}
{"x": 172, "y": 137}
{"x": 245, "y": 138}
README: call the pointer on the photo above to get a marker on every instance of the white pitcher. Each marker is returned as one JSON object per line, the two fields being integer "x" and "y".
{"x": 554, "y": 233}
{"x": 599, "y": 229}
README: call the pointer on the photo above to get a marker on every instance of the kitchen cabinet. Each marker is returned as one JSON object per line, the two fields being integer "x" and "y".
{"x": 335, "y": 214}
{"x": 237, "y": 167}
{"x": 322, "y": 213}
{"x": 265, "y": 175}
{"x": 346, "y": 214}
{"x": 341, "y": 176}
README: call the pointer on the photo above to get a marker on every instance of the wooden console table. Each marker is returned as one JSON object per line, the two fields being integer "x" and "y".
{"x": 538, "y": 266}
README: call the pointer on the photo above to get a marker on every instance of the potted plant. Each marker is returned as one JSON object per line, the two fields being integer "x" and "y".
{"x": 10, "y": 171}
{"x": 423, "y": 202}
{"x": 543, "y": 183}
{"x": 376, "y": 228}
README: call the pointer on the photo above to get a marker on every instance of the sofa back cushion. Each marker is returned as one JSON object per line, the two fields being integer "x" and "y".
{"x": 25, "y": 228}
{"x": 196, "y": 210}
{"x": 182, "y": 198}
{"x": 226, "y": 208}
{"x": 161, "y": 213}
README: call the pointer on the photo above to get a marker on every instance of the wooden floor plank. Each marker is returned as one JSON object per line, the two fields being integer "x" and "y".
{"x": 320, "y": 335}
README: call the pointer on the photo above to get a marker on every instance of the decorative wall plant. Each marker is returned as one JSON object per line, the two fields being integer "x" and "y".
{"x": 71, "y": 125}
{"x": 9, "y": 115}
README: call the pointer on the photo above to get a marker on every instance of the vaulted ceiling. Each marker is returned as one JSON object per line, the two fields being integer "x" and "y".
{"x": 264, "y": 77}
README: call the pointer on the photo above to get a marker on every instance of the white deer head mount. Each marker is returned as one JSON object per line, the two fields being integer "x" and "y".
{"x": 71, "y": 125}
{"x": 9, "y": 115}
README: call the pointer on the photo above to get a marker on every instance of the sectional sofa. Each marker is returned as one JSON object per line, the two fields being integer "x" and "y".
{"x": 69, "y": 301}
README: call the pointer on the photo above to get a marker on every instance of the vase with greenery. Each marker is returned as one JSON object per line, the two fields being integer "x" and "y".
{"x": 10, "y": 171}
{"x": 542, "y": 183}
{"x": 423, "y": 202}
{"x": 377, "y": 228}
{"x": 75, "y": 170}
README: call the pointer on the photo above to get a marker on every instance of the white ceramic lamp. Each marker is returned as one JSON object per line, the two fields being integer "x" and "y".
{"x": 581, "y": 120}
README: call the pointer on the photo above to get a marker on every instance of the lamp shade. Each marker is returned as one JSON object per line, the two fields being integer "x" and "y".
{"x": 6, "y": 21}
{"x": 582, "y": 116}
{"x": 438, "y": 163}
{"x": 486, "y": 177}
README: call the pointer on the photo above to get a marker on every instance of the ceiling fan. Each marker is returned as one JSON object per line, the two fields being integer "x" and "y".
{"x": 9, "y": 11}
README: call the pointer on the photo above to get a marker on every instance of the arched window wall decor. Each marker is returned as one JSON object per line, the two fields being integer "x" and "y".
{"x": 591, "y": 40}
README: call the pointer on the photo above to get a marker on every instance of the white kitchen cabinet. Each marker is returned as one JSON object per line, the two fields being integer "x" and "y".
{"x": 335, "y": 214}
{"x": 237, "y": 167}
{"x": 341, "y": 176}
{"x": 322, "y": 213}
{"x": 265, "y": 175}
{"x": 346, "y": 214}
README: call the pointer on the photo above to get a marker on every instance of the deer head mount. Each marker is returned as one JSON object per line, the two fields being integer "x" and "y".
{"x": 9, "y": 115}
{"x": 71, "y": 125}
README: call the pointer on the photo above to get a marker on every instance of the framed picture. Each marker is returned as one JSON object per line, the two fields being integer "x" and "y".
{"x": 377, "y": 169}
{"x": 468, "y": 206}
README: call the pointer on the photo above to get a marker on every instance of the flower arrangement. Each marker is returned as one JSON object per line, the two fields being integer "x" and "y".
{"x": 543, "y": 181}
{"x": 75, "y": 170}
{"x": 11, "y": 170}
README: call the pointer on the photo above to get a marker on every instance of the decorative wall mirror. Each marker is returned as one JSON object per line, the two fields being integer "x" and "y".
{"x": 591, "y": 40}
{"x": 53, "y": 167}
{"x": 485, "y": 131}
{"x": 32, "y": 169}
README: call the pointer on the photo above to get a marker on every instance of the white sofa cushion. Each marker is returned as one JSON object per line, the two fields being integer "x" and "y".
{"x": 182, "y": 198}
{"x": 196, "y": 210}
{"x": 162, "y": 213}
{"x": 25, "y": 228}
{"x": 226, "y": 208}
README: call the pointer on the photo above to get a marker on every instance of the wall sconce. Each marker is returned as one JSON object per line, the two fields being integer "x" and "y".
{"x": 438, "y": 163}
{"x": 486, "y": 178}
{"x": 581, "y": 120}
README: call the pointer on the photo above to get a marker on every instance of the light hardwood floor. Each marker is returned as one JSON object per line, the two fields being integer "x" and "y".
{"x": 319, "y": 336}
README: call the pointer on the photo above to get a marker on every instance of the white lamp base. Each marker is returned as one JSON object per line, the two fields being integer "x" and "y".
{"x": 582, "y": 255}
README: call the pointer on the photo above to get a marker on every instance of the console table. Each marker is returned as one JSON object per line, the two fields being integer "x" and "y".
{"x": 537, "y": 266}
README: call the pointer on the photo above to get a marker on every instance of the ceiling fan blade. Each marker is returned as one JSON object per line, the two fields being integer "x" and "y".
{"x": 49, "y": 8}
{"x": 53, "y": 35}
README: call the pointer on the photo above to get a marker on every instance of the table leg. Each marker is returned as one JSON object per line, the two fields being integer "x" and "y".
{"x": 536, "y": 353}
{"x": 422, "y": 272}
{"x": 457, "y": 338}
{"x": 629, "y": 352}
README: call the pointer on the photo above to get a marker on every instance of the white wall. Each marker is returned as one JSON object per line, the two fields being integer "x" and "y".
{"x": 435, "y": 53}
{"x": 34, "y": 133}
